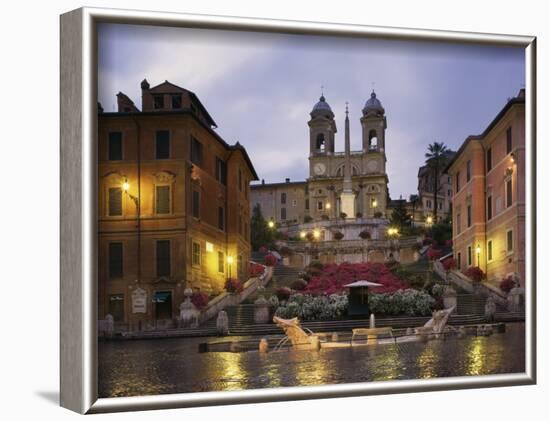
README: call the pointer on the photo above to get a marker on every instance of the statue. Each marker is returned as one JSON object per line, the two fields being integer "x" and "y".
{"x": 222, "y": 323}
{"x": 436, "y": 324}
{"x": 264, "y": 346}
{"x": 109, "y": 325}
{"x": 490, "y": 309}
{"x": 189, "y": 315}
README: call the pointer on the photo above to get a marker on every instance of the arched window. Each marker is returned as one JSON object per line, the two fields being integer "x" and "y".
{"x": 320, "y": 144}
{"x": 373, "y": 140}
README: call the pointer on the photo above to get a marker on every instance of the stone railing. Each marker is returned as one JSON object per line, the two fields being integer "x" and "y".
{"x": 468, "y": 285}
{"x": 227, "y": 299}
{"x": 403, "y": 242}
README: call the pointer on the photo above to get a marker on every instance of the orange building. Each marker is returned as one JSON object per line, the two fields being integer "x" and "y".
{"x": 173, "y": 206}
{"x": 488, "y": 175}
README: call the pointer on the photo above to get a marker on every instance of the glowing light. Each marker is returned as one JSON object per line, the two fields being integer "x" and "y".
{"x": 271, "y": 224}
{"x": 374, "y": 203}
{"x": 429, "y": 220}
{"x": 316, "y": 233}
{"x": 230, "y": 259}
{"x": 327, "y": 205}
{"x": 209, "y": 247}
{"x": 393, "y": 231}
{"x": 478, "y": 249}
{"x": 126, "y": 185}
{"x": 302, "y": 234}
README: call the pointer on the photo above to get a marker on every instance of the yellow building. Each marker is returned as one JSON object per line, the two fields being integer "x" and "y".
{"x": 174, "y": 206}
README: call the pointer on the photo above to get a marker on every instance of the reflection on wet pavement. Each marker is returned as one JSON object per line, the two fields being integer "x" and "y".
{"x": 150, "y": 367}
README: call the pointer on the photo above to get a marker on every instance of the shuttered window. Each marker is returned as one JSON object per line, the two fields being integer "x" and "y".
{"x": 509, "y": 241}
{"x": 163, "y": 199}
{"x": 115, "y": 260}
{"x": 508, "y": 193}
{"x": 196, "y": 152}
{"x": 115, "y": 201}
{"x": 221, "y": 262}
{"x": 221, "y": 171}
{"x": 162, "y": 144}
{"x": 115, "y": 146}
{"x": 489, "y": 207}
{"x": 163, "y": 258}
{"x": 196, "y": 254}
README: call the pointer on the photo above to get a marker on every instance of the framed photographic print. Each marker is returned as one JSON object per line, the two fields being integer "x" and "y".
{"x": 260, "y": 210}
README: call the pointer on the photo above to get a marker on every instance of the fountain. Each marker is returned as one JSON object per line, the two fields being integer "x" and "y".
{"x": 298, "y": 337}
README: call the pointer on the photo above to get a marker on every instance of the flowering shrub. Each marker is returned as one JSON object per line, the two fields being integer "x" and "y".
{"x": 475, "y": 273}
{"x": 283, "y": 293}
{"x": 449, "y": 264}
{"x": 199, "y": 299}
{"x": 438, "y": 290}
{"x": 233, "y": 286}
{"x": 337, "y": 235}
{"x": 270, "y": 260}
{"x": 273, "y": 301}
{"x": 434, "y": 254}
{"x": 255, "y": 269}
{"x": 365, "y": 235}
{"x": 332, "y": 278}
{"x": 507, "y": 284}
{"x": 406, "y": 301}
{"x": 299, "y": 285}
{"x": 309, "y": 307}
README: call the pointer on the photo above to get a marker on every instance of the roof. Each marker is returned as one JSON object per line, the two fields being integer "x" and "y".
{"x": 362, "y": 283}
{"x": 283, "y": 183}
{"x": 519, "y": 99}
{"x": 168, "y": 87}
{"x": 238, "y": 147}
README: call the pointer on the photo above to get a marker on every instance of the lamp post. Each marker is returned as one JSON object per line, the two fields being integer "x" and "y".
{"x": 229, "y": 263}
{"x": 135, "y": 199}
{"x": 478, "y": 252}
{"x": 271, "y": 224}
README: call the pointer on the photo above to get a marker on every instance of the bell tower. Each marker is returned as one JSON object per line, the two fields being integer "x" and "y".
{"x": 374, "y": 125}
{"x": 321, "y": 129}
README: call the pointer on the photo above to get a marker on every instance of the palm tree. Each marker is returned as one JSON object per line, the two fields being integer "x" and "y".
{"x": 436, "y": 158}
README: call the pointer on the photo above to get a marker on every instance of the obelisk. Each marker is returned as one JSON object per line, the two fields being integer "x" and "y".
{"x": 347, "y": 198}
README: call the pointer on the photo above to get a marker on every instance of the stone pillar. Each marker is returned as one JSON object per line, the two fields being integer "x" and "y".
{"x": 449, "y": 298}
{"x": 261, "y": 311}
{"x": 516, "y": 299}
{"x": 109, "y": 326}
{"x": 490, "y": 309}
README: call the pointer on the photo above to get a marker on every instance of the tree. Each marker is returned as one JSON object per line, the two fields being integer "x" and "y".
{"x": 260, "y": 233}
{"x": 436, "y": 158}
{"x": 399, "y": 217}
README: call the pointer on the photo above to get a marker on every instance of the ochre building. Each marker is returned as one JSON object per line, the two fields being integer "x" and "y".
{"x": 174, "y": 207}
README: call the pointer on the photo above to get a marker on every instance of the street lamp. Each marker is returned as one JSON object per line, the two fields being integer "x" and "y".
{"x": 271, "y": 224}
{"x": 229, "y": 263}
{"x": 393, "y": 231}
{"x": 478, "y": 252}
{"x": 327, "y": 206}
{"x": 374, "y": 203}
{"x": 429, "y": 220}
{"x": 316, "y": 234}
{"x": 303, "y": 234}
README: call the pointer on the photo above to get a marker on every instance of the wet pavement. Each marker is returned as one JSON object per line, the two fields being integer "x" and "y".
{"x": 147, "y": 367}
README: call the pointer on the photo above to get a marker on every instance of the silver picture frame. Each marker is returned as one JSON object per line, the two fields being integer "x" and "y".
{"x": 79, "y": 378}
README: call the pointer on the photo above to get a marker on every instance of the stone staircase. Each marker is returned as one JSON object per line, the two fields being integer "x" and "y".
{"x": 473, "y": 304}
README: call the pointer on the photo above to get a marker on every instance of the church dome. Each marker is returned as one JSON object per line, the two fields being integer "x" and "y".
{"x": 322, "y": 108}
{"x": 373, "y": 105}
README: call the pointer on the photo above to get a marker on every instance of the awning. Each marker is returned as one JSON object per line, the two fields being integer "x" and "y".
{"x": 161, "y": 296}
{"x": 357, "y": 284}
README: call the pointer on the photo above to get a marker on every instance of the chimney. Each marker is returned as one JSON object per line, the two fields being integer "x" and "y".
{"x": 287, "y": 180}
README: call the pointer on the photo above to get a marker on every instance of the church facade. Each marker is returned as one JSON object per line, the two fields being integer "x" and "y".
{"x": 341, "y": 184}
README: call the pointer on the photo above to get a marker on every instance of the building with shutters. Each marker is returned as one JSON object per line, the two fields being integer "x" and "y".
{"x": 488, "y": 204}
{"x": 173, "y": 204}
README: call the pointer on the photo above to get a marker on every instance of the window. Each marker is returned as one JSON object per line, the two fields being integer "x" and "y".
{"x": 458, "y": 225}
{"x": 449, "y": 192}
{"x": 163, "y": 258}
{"x": 468, "y": 171}
{"x": 115, "y": 260}
{"x": 221, "y": 218}
{"x": 469, "y": 255}
{"x": 294, "y": 203}
{"x": 116, "y": 307}
{"x": 457, "y": 181}
{"x": 320, "y": 142}
{"x": 490, "y": 250}
{"x": 508, "y": 140}
{"x": 459, "y": 261}
{"x": 373, "y": 140}
{"x": 115, "y": 201}
{"x": 509, "y": 241}
{"x": 283, "y": 198}
{"x": 196, "y": 204}
{"x": 196, "y": 152}
{"x": 162, "y": 144}
{"x": 489, "y": 207}
{"x": 196, "y": 258}
{"x": 221, "y": 171}
{"x": 469, "y": 216}
{"x": 162, "y": 199}
{"x": 158, "y": 101}
{"x": 221, "y": 262}
{"x": 440, "y": 205}
{"x": 307, "y": 204}
{"x": 508, "y": 193}
{"x": 489, "y": 159}
{"x": 283, "y": 213}
{"x": 320, "y": 205}
{"x": 176, "y": 101}
{"x": 498, "y": 205}
{"x": 428, "y": 204}
{"x": 115, "y": 146}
